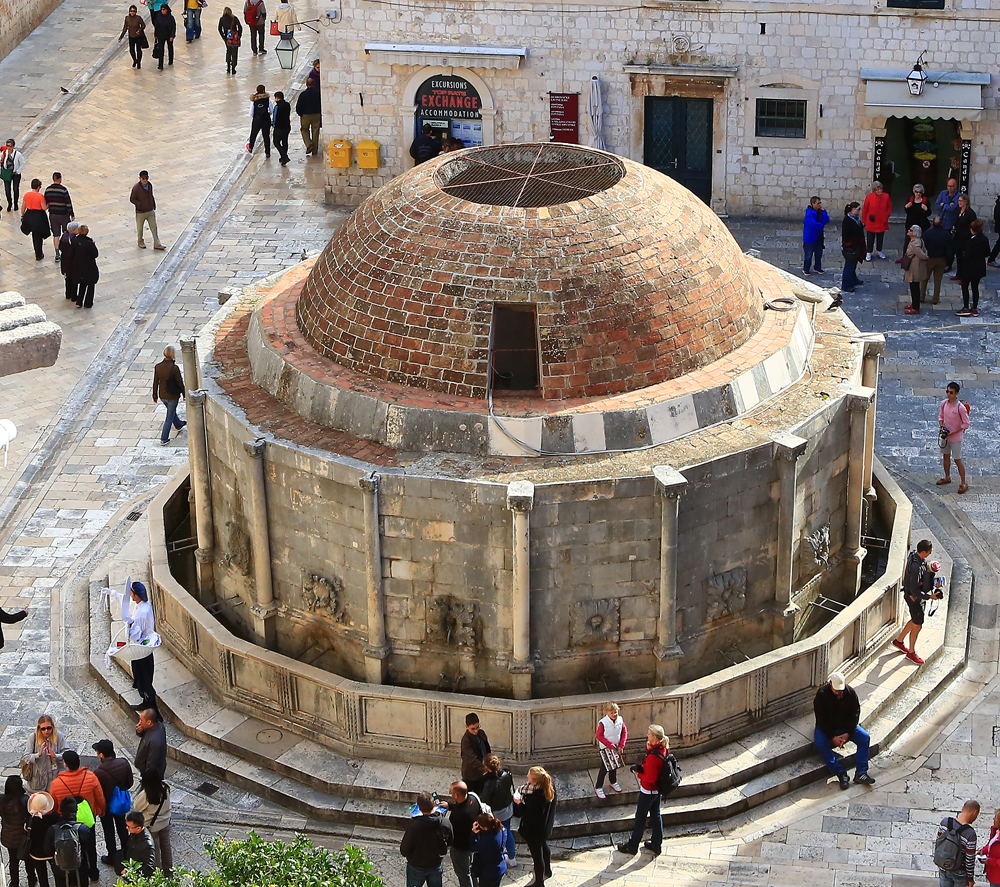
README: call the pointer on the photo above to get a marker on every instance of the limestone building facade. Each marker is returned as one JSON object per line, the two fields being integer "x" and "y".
{"x": 752, "y": 106}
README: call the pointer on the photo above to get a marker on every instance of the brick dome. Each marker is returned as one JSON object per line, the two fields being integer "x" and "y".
{"x": 629, "y": 279}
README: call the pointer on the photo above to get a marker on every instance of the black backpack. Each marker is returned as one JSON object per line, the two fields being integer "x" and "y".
{"x": 67, "y": 856}
{"x": 949, "y": 854}
{"x": 670, "y": 774}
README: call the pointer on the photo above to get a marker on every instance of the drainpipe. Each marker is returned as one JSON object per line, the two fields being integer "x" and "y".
{"x": 263, "y": 613}
{"x": 201, "y": 486}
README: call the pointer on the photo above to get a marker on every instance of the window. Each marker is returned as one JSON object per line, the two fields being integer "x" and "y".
{"x": 915, "y": 4}
{"x": 781, "y": 119}
{"x": 515, "y": 348}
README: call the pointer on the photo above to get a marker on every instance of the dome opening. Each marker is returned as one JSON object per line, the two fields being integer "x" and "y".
{"x": 529, "y": 175}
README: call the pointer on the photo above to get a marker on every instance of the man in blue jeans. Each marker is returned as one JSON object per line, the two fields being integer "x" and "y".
{"x": 168, "y": 386}
{"x": 838, "y": 712}
{"x": 425, "y": 843}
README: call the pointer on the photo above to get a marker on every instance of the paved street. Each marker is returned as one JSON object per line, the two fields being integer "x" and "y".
{"x": 86, "y": 449}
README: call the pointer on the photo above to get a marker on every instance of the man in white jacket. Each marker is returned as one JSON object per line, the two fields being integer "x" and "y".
{"x": 12, "y": 164}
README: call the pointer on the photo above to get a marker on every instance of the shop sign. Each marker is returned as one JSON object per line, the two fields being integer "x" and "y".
{"x": 564, "y": 117}
{"x": 965, "y": 166}
{"x": 448, "y": 98}
{"x": 878, "y": 160}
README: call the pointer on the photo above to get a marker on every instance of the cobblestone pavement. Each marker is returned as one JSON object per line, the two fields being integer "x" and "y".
{"x": 86, "y": 450}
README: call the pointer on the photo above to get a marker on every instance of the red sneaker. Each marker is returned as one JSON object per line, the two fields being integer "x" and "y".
{"x": 913, "y": 657}
{"x": 899, "y": 645}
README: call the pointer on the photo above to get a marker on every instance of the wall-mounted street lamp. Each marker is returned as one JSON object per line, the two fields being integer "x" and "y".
{"x": 916, "y": 79}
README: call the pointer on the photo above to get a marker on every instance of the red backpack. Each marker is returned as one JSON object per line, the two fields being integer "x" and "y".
{"x": 251, "y": 12}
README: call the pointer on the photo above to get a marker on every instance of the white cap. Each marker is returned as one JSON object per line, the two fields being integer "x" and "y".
{"x": 838, "y": 681}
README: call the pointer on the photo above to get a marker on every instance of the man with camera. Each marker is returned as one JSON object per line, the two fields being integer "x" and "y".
{"x": 919, "y": 585}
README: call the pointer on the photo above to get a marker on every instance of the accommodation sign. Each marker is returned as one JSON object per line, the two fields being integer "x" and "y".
{"x": 564, "y": 117}
{"x": 448, "y": 98}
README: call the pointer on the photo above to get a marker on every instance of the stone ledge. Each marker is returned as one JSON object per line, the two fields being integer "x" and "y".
{"x": 27, "y": 340}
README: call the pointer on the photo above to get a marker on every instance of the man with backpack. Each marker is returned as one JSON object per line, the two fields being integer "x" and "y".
{"x": 955, "y": 848}
{"x": 83, "y": 786}
{"x": 115, "y": 777}
{"x": 838, "y": 715}
{"x": 918, "y": 586}
{"x": 425, "y": 844}
{"x": 659, "y": 774}
{"x": 255, "y": 15}
{"x": 953, "y": 422}
{"x": 64, "y": 844}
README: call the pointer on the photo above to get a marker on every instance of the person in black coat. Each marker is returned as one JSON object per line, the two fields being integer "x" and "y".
{"x": 282, "y": 126}
{"x": 852, "y": 237}
{"x": 918, "y": 212}
{"x": 10, "y": 618}
{"x": 164, "y": 30}
{"x": 13, "y": 823}
{"x": 231, "y": 32}
{"x": 974, "y": 254}
{"x": 84, "y": 267}
{"x": 838, "y": 715}
{"x": 425, "y": 843}
{"x": 535, "y": 804}
{"x": 66, "y": 251}
{"x": 962, "y": 232}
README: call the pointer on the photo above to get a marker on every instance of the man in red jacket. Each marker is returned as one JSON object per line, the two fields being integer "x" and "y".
{"x": 78, "y": 782}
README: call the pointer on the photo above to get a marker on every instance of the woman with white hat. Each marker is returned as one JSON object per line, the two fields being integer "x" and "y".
{"x": 41, "y": 807}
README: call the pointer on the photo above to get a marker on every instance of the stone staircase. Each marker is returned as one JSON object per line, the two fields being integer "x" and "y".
{"x": 320, "y": 784}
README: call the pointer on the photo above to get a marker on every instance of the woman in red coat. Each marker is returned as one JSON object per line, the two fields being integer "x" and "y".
{"x": 875, "y": 217}
{"x": 990, "y": 854}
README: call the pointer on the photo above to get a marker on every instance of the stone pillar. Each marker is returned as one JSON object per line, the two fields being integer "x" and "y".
{"x": 869, "y": 379}
{"x": 670, "y": 485}
{"x": 189, "y": 357}
{"x": 859, "y": 401}
{"x": 263, "y": 612}
{"x": 787, "y": 449}
{"x": 377, "y": 649}
{"x": 520, "y": 500}
{"x": 201, "y": 487}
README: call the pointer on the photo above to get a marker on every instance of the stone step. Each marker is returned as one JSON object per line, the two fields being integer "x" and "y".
{"x": 317, "y": 782}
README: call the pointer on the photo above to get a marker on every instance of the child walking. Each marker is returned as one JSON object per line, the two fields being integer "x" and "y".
{"x": 612, "y": 735}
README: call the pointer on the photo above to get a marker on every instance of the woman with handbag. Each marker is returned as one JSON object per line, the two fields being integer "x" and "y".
{"x": 915, "y": 269}
{"x": 43, "y": 759}
{"x": 989, "y": 856}
{"x": 852, "y": 239}
{"x": 612, "y": 734}
{"x": 165, "y": 30}
{"x": 918, "y": 212}
{"x": 135, "y": 27}
{"x": 35, "y": 217}
{"x": 498, "y": 792}
{"x": 535, "y": 805}
{"x": 231, "y": 31}
{"x": 875, "y": 216}
{"x": 152, "y": 800}
{"x": 961, "y": 233}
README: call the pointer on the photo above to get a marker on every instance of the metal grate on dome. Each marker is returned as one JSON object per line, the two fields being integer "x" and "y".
{"x": 529, "y": 175}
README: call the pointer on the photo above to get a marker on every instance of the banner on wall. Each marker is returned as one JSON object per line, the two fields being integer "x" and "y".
{"x": 965, "y": 166}
{"x": 446, "y": 97}
{"x": 878, "y": 160}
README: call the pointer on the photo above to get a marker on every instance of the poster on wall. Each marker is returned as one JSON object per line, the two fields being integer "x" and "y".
{"x": 878, "y": 160}
{"x": 965, "y": 166}
{"x": 446, "y": 97}
{"x": 564, "y": 117}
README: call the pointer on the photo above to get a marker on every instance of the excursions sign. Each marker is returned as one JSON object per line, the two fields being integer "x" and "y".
{"x": 448, "y": 98}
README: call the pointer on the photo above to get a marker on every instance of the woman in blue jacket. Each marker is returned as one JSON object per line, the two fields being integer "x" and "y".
{"x": 486, "y": 841}
{"x": 815, "y": 220}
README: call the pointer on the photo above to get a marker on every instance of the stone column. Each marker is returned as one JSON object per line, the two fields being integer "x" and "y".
{"x": 201, "y": 486}
{"x": 859, "y": 401}
{"x": 670, "y": 485}
{"x": 189, "y": 357}
{"x": 263, "y": 612}
{"x": 520, "y": 500}
{"x": 869, "y": 378}
{"x": 377, "y": 649}
{"x": 787, "y": 449}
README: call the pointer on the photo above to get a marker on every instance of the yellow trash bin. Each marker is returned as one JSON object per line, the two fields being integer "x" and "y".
{"x": 369, "y": 154}
{"x": 340, "y": 154}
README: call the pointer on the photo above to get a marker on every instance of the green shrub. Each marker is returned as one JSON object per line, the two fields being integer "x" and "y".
{"x": 259, "y": 863}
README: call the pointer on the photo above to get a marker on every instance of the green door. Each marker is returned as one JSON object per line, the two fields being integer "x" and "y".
{"x": 678, "y": 141}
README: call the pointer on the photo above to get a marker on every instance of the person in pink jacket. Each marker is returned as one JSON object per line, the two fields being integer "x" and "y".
{"x": 875, "y": 217}
{"x": 954, "y": 418}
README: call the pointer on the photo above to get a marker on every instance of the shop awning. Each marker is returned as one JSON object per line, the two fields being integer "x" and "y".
{"x": 947, "y": 94}
{"x": 501, "y": 57}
